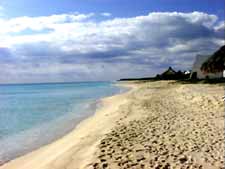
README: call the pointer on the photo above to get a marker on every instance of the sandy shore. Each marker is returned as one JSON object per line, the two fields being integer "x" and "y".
{"x": 154, "y": 125}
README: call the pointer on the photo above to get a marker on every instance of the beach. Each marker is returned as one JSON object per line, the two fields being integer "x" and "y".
{"x": 162, "y": 124}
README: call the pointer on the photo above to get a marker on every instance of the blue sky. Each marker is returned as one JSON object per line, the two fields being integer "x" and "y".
{"x": 119, "y": 8}
{"x": 51, "y": 41}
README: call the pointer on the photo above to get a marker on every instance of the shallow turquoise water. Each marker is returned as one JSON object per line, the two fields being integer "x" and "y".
{"x": 35, "y": 114}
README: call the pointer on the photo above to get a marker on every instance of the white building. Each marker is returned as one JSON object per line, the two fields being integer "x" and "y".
{"x": 200, "y": 59}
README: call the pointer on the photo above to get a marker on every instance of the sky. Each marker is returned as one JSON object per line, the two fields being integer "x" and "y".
{"x": 93, "y": 40}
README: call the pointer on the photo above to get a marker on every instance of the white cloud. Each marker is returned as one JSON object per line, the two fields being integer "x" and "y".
{"x": 220, "y": 26}
{"x": 106, "y": 14}
{"x": 61, "y": 45}
{"x": 1, "y": 11}
{"x": 19, "y": 24}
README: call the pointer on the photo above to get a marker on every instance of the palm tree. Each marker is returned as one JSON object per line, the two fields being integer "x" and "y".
{"x": 216, "y": 63}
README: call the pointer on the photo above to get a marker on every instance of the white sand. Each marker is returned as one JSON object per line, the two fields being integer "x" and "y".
{"x": 155, "y": 125}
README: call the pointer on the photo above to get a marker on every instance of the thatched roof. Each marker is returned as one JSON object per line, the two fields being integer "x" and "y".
{"x": 216, "y": 63}
{"x": 170, "y": 71}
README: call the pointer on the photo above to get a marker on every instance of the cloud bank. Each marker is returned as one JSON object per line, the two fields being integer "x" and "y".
{"x": 78, "y": 47}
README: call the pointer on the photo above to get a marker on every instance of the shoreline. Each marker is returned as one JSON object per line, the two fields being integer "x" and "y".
{"x": 68, "y": 127}
{"x": 167, "y": 124}
{"x": 163, "y": 124}
{"x": 65, "y": 143}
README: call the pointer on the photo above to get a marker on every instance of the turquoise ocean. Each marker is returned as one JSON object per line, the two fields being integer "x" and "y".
{"x": 32, "y": 115}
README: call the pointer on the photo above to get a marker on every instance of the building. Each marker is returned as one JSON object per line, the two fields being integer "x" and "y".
{"x": 198, "y": 73}
{"x": 171, "y": 74}
{"x": 216, "y": 63}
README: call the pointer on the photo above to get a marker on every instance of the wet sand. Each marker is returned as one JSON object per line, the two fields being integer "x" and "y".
{"x": 155, "y": 125}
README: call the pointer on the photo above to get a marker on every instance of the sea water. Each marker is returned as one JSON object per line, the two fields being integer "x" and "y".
{"x": 32, "y": 115}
